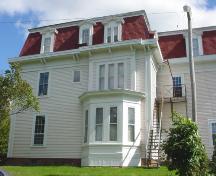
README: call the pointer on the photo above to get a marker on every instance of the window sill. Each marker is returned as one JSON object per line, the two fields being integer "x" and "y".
{"x": 43, "y": 96}
{"x": 38, "y": 146}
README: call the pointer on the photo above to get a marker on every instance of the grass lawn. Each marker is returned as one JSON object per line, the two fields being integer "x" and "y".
{"x": 83, "y": 171}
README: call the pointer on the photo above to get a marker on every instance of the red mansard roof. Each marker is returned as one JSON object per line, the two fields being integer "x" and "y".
{"x": 67, "y": 38}
{"x": 174, "y": 46}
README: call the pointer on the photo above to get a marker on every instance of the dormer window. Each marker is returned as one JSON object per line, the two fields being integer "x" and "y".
{"x": 86, "y": 32}
{"x": 113, "y": 30}
{"x": 196, "y": 47}
{"x": 47, "y": 41}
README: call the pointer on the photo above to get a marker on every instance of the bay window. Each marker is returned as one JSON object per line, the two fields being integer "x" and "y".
{"x": 86, "y": 127}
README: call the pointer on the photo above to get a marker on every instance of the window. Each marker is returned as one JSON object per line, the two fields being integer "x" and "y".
{"x": 109, "y": 35}
{"x": 86, "y": 127}
{"x": 111, "y": 76}
{"x": 99, "y": 124}
{"x": 39, "y": 130}
{"x": 120, "y": 75}
{"x": 76, "y": 76}
{"x": 43, "y": 84}
{"x": 85, "y": 36}
{"x": 47, "y": 44}
{"x": 113, "y": 124}
{"x": 177, "y": 86}
{"x": 196, "y": 47}
{"x": 131, "y": 124}
{"x": 102, "y": 77}
{"x": 213, "y": 133}
{"x": 115, "y": 33}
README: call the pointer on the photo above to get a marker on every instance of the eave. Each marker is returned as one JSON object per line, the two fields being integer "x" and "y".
{"x": 147, "y": 45}
{"x": 113, "y": 92}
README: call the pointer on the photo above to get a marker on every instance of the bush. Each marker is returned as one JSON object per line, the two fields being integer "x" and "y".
{"x": 213, "y": 162}
{"x": 184, "y": 149}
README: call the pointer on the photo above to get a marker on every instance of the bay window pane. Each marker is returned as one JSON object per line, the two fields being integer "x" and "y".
{"x": 131, "y": 124}
{"x": 120, "y": 75}
{"x": 99, "y": 124}
{"x": 113, "y": 132}
{"x": 86, "y": 127}
{"x": 111, "y": 76}
{"x": 131, "y": 133}
{"x": 113, "y": 115}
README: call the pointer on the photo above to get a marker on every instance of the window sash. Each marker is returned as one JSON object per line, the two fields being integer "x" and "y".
{"x": 213, "y": 126}
{"x": 39, "y": 130}
{"x": 109, "y": 35}
{"x": 76, "y": 76}
{"x": 120, "y": 75}
{"x": 85, "y": 36}
{"x": 113, "y": 123}
{"x": 195, "y": 47}
{"x": 115, "y": 33}
{"x": 43, "y": 84}
{"x": 99, "y": 124}
{"x": 111, "y": 76}
{"x": 102, "y": 77}
{"x": 86, "y": 127}
{"x": 131, "y": 124}
{"x": 47, "y": 44}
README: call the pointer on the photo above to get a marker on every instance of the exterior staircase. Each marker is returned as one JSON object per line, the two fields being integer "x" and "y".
{"x": 153, "y": 147}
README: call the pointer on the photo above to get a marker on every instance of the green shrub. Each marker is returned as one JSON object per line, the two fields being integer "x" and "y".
{"x": 184, "y": 149}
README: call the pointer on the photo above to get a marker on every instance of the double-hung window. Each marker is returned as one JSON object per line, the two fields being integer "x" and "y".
{"x": 43, "y": 84}
{"x": 86, "y": 127}
{"x": 109, "y": 34}
{"x": 213, "y": 133}
{"x": 115, "y": 33}
{"x": 131, "y": 124}
{"x": 177, "y": 86}
{"x": 99, "y": 124}
{"x": 39, "y": 130}
{"x": 113, "y": 124}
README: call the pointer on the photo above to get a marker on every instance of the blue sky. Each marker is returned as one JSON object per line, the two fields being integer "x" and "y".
{"x": 17, "y": 16}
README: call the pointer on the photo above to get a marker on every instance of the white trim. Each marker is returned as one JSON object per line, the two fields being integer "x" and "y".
{"x": 151, "y": 42}
{"x": 45, "y": 130}
{"x": 82, "y": 27}
{"x": 97, "y": 19}
{"x": 48, "y": 34}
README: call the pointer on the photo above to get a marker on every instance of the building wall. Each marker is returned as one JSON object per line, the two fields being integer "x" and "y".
{"x": 205, "y": 71}
{"x": 61, "y": 107}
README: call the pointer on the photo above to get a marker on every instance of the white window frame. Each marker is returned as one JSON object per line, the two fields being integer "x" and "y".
{"x": 106, "y": 83}
{"x": 196, "y": 35}
{"x": 83, "y": 26}
{"x": 49, "y": 84}
{"x": 73, "y": 74}
{"x": 210, "y": 121}
{"x": 48, "y": 33}
{"x": 45, "y": 130}
{"x": 111, "y": 23}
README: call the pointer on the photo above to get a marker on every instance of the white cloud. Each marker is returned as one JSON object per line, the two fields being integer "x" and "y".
{"x": 73, "y": 9}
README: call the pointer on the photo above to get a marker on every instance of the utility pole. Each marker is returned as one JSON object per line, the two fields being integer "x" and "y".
{"x": 187, "y": 9}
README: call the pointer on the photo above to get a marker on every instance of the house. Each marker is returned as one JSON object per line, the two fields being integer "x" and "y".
{"x": 107, "y": 86}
